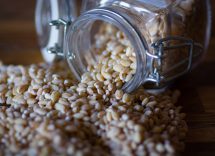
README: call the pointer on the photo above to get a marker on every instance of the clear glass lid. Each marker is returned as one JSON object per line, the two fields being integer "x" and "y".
{"x": 43, "y": 17}
{"x": 47, "y": 13}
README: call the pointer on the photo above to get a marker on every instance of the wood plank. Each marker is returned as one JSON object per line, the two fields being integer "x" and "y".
{"x": 8, "y": 58}
{"x": 201, "y": 127}
{"x": 199, "y": 149}
{"x": 207, "y": 95}
{"x": 13, "y": 9}
{"x": 16, "y": 27}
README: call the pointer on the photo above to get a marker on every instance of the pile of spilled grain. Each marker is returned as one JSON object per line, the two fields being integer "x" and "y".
{"x": 45, "y": 112}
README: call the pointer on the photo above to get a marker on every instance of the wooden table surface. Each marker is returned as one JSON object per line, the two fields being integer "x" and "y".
{"x": 18, "y": 45}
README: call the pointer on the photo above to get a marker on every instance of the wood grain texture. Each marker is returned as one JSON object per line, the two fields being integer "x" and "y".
{"x": 18, "y": 45}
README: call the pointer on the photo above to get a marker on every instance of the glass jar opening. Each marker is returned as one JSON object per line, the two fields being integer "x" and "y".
{"x": 81, "y": 43}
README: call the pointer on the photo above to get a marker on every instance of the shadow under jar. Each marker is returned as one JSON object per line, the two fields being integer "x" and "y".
{"x": 169, "y": 37}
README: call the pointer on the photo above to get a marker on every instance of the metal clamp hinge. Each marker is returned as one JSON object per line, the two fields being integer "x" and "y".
{"x": 159, "y": 47}
{"x": 58, "y": 49}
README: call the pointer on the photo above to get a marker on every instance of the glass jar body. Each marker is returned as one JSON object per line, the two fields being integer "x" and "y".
{"x": 168, "y": 37}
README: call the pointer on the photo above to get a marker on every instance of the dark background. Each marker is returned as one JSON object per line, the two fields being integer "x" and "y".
{"x": 18, "y": 45}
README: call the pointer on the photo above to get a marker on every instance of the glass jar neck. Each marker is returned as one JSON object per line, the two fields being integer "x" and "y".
{"x": 78, "y": 37}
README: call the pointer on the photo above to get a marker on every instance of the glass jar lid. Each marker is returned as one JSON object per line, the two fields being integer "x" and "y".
{"x": 49, "y": 16}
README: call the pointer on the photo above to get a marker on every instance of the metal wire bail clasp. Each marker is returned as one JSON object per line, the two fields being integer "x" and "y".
{"x": 61, "y": 25}
{"x": 160, "y": 76}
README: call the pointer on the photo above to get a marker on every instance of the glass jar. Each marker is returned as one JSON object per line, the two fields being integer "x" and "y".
{"x": 169, "y": 37}
{"x": 49, "y": 16}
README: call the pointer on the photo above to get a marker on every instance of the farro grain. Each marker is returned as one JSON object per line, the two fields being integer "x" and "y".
{"x": 50, "y": 114}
